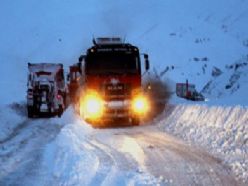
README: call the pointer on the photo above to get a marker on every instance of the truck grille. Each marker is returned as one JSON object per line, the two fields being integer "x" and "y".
{"x": 111, "y": 113}
{"x": 119, "y": 90}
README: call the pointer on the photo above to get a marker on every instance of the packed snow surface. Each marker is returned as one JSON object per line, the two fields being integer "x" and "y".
{"x": 68, "y": 151}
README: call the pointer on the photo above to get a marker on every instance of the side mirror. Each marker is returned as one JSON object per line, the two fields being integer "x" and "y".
{"x": 79, "y": 65}
{"x": 80, "y": 59}
{"x": 147, "y": 64}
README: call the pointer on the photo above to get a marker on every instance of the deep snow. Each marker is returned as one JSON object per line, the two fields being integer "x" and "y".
{"x": 221, "y": 130}
{"x": 10, "y": 121}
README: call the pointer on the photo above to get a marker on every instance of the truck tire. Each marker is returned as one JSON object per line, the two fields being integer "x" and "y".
{"x": 30, "y": 112}
{"x": 60, "y": 111}
{"x": 135, "y": 121}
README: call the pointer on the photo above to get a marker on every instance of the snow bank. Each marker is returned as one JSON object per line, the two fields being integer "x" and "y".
{"x": 76, "y": 158}
{"x": 222, "y": 130}
{"x": 10, "y": 120}
{"x": 66, "y": 160}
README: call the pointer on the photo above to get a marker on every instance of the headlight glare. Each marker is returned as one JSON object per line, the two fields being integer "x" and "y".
{"x": 140, "y": 105}
{"x": 92, "y": 106}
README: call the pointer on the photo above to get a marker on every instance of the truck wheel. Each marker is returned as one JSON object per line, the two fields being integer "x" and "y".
{"x": 65, "y": 100}
{"x": 135, "y": 121}
{"x": 60, "y": 111}
{"x": 30, "y": 112}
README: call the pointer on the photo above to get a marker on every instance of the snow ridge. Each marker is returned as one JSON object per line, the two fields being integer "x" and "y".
{"x": 222, "y": 130}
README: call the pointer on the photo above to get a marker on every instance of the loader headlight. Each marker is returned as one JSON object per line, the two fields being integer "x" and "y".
{"x": 93, "y": 106}
{"x": 140, "y": 105}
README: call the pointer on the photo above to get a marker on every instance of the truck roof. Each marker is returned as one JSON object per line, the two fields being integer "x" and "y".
{"x": 124, "y": 47}
{"x": 111, "y": 42}
{"x": 108, "y": 41}
{"x": 45, "y": 67}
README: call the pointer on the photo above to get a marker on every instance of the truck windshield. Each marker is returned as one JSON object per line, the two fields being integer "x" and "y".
{"x": 111, "y": 63}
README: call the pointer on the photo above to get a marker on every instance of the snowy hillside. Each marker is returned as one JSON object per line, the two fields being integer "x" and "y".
{"x": 185, "y": 40}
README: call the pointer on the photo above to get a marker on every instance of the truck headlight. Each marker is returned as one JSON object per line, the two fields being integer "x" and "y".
{"x": 140, "y": 105}
{"x": 93, "y": 106}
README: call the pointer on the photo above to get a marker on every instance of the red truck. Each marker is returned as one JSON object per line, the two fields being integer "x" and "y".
{"x": 111, "y": 88}
{"x": 188, "y": 91}
{"x": 74, "y": 79}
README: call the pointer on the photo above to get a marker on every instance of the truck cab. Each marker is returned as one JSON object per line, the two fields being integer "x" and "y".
{"x": 112, "y": 82}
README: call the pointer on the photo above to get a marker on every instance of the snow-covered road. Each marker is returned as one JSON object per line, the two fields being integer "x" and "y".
{"x": 157, "y": 159}
{"x": 21, "y": 152}
{"x": 67, "y": 151}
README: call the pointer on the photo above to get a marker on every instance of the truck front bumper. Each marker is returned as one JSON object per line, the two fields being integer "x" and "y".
{"x": 111, "y": 110}
{"x": 117, "y": 109}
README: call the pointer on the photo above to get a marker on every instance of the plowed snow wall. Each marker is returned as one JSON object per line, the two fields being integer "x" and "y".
{"x": 222, "y": 130}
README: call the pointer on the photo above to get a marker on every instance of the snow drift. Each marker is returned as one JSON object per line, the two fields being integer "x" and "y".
{"x": 12, "y": 118}
{"x": 222, "y": 130}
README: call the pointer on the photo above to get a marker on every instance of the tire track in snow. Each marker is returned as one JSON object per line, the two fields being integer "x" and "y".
{"x": 128, "y": 159}
{"x": 104, "y": 167}
{"x": 21, "y": 155}
{"x": 119, "y": 173}
{"x": 16, "y": 131}
{"x": 191, "y": 166}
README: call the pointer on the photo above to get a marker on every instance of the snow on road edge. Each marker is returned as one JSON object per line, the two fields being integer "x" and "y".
{"x": 221, "y": 130}
{"x": 9, "y": 121}
{"x": 66, "y": 160}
